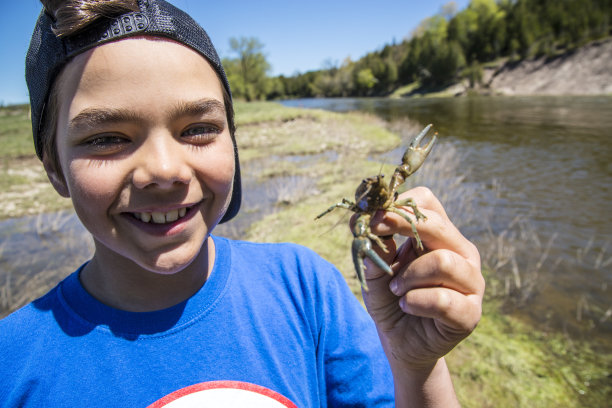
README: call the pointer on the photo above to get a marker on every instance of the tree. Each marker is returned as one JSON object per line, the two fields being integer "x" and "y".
{"x": 365, "y": 80}
{"x": 247, "y": 73}
{"x": 448, "y": 10}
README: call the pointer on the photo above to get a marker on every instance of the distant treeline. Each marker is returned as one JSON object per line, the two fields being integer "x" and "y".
{"x": 445, "y": 48}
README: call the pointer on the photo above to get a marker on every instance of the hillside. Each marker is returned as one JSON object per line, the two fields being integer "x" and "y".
{"x": 584, "y": 71}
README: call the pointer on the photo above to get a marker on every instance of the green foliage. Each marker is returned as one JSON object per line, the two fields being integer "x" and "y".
{"x": 365, "y": 80}
{"x": 247, "y": 73}
{"x": 334, "y": 81}
{"x": 474, "y": 74}
{"x": 451, "y": 46}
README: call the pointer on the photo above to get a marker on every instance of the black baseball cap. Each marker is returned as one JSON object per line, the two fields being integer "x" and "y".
{"x": 48, "y": 54}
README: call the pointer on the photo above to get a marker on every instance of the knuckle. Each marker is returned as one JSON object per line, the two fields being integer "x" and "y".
{"x": 424, "y": 194}
{"x": 445, "y": 261}
{"x": 474, "y": 252}
{"x": 442, "y": 301}
{"x": 469, "y": 324}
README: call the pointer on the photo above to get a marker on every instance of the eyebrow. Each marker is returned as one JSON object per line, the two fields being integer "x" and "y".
{"x": 198, "y": 108}
{"x": 93, "y": 117}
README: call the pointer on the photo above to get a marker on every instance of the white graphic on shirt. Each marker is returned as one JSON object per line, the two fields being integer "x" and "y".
{"x": 226, "y": 394}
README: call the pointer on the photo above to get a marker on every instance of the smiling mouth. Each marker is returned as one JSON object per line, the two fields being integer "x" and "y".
{"x": 156, "y": 217}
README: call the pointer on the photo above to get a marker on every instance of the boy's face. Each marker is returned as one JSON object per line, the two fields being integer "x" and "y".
{"x": 145, "y": 151}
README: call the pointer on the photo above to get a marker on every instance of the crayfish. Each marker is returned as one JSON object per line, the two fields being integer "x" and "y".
{"x": 374, "y": 195}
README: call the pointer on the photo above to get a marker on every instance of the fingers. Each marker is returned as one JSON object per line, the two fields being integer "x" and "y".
{"x": 441, "y": 285}
{"x": 456, "y": 312}
{"x": 439, "y": 268}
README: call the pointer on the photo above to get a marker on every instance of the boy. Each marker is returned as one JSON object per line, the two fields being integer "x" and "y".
{"x": 133, "y": 121}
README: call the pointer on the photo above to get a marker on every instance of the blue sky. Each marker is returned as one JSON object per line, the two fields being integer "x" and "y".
{"x": 298, "y": 36}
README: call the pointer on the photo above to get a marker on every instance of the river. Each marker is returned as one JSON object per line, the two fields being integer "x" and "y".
{"x": 546, "y": 161}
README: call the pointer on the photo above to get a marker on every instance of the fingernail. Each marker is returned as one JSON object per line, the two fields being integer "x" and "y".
{"x": 394, "y": 286}
{"x": 402, "y": 304}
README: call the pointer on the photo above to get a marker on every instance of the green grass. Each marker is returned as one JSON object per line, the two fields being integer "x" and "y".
{"x": 403, "y": 90}
{"x": 249, "y": 113}
{"x": 407, "y": 90}
{"x": 269, "y": 129}
{"x": 508, "y": 363}
{"x": 15, "y": 133}
{"x": 24, "y": 188}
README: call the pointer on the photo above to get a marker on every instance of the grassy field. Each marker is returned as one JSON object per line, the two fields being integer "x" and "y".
{"x": 505, "y": 363}
{"x": 24, "y": 188}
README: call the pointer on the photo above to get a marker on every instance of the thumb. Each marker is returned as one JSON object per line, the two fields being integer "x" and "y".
{"x": 376, "y": 259}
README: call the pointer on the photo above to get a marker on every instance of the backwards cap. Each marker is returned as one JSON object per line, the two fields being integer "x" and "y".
{"x": 48, "y": 54}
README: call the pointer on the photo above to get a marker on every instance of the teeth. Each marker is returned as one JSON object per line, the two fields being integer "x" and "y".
{"x": 172, "y": 216}
{"x": 160, "y": 217}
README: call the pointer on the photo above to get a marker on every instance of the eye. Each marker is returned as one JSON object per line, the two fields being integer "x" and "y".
{"x": 105, "y": 143}
{"x": 201, "y": 133}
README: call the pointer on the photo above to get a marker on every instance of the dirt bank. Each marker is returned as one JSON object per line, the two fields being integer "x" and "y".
{"x": 584, "y": 71}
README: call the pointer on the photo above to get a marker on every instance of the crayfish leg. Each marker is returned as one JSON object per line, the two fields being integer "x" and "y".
{"x": 349, "y": 205}
{"x": 412, "y": 223}
{"x": 409, "y": 202}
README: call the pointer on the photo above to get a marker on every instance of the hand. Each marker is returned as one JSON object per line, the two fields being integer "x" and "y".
{"x": 434, "y": 299}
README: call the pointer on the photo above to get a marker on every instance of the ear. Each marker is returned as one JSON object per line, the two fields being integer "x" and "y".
{"x": 56, "y": 178}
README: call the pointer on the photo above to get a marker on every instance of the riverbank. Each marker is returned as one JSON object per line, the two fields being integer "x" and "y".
{"x": 582, "y": 71}
{"x": 300, "y": 162}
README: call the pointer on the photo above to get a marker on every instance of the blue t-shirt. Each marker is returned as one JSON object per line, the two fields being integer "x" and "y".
{"x": 275, "y": 319}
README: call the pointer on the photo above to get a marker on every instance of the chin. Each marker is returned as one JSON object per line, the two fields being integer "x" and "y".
{"x": 168, "y": 267}
{"x": 192, "y": 255}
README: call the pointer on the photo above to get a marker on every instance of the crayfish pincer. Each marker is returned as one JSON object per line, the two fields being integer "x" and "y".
{"x": 372, "y": 195}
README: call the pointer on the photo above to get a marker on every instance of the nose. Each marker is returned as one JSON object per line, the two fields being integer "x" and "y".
{"x": 161, "y": 162}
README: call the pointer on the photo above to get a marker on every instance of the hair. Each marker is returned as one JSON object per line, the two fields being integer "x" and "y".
{"x": 71, "y": 16}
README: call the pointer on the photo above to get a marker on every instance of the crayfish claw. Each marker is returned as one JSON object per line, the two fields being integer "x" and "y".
{"x": 420, "y": 136}
{"x": 362, "y": 247}
{"x": 415, "y": 156}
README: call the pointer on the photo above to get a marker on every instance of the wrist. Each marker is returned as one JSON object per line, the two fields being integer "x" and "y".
{"x": 424, "y": 386}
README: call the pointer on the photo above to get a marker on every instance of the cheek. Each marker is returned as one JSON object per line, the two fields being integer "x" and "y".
{"x": 220, "y": 169}
{"x": 91, "y": 183}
